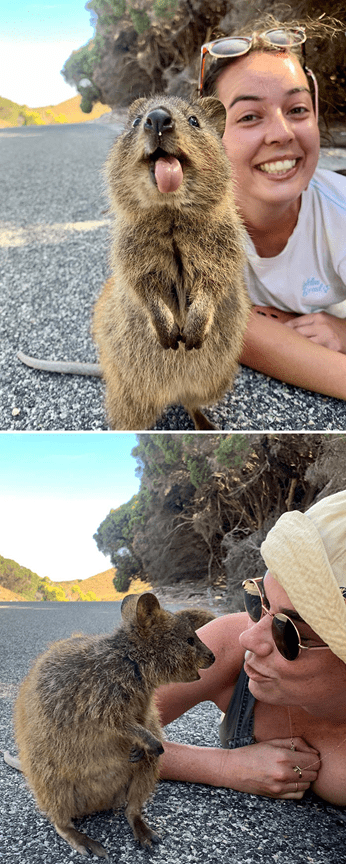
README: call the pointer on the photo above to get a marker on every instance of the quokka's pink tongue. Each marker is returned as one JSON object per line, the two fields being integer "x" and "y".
{"x": 168, "y": 174}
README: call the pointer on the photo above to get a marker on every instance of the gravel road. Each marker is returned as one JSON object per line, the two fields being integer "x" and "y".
{"x": 197, "y": 823}
{"x": 54, "y": 241}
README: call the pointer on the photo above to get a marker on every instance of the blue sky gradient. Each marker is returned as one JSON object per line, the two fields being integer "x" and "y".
{"x": 45, "y": 21}
{"x": 36, "y": 39}
{"x": 74, "y": 464}
{"x": 55, "y": 490}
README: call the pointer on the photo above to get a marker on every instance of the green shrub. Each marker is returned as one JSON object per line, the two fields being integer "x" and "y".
{"x": 86, "y": 104}
{"x": 121, "y": 581}
{"x": 165, "y": 8}
{"x": 52, "y": 592}
{"x": 140, "y": 20}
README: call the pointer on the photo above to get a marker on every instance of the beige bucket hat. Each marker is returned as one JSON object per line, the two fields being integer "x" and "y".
{"x": 306, "y": 553}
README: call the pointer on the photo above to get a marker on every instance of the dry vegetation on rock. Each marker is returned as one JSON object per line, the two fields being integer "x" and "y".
{"x": 206, "y": 503}
{"x": 148, "y": 46}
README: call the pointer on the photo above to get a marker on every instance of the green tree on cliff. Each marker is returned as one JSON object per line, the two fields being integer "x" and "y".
{"x": 114, "y": 538}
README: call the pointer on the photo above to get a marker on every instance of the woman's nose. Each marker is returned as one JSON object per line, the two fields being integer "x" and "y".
{"x": 279, "y": 130}
{"x": 258, "y": 637}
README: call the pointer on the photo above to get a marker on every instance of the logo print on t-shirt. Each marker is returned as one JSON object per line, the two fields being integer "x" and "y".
{"x": 314, "y": 286}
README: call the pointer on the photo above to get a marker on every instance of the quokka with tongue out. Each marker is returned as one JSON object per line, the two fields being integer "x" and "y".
{"x": 169, "y": 323}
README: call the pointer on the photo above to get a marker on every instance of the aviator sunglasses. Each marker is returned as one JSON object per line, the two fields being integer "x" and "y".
{"x": 285, "y": 633}
{"x": 236, "y": 46}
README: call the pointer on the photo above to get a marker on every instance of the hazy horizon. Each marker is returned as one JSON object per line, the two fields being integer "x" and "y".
{"x": 36, "y": 40}
{"x": 55, "y": 490}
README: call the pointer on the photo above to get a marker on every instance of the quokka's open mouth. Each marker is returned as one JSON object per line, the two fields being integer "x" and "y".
{"x": 166, "y": 169}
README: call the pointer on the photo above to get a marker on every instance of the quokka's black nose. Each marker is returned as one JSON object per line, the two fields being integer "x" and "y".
{"x": 159, "y": 121}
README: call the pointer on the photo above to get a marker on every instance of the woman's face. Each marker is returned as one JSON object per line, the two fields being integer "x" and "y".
{"x": 271, "y": 136}
{"x": 312, "y": 681}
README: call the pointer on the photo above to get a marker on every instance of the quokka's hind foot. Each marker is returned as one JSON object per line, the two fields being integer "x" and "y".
{"x": 201, "y": 422}
{"x": 81, "y": 842}
{"x": 142, "y": 832}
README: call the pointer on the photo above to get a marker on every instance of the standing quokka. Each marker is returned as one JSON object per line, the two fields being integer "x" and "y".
{"x": 169, "y": 324}
{"x": 87, "y": 727}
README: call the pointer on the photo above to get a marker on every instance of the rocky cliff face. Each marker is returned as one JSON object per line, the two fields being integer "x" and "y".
{"x": 209, "y": 526}
{"x": 169, "y": 547}
{"x": 119, "y": 76}
{"x": 162, "y": 59}
{"x": 165, "y": 56}
{"x": 206, "y": 503}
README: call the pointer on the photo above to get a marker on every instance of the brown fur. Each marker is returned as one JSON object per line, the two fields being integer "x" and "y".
{"x": 169, "y": 323}
{"x": 87, "y": 727}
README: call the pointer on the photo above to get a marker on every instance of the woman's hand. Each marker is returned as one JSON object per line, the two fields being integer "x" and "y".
{"x": 267, "y": 768}
{"x": 322, "y": 328}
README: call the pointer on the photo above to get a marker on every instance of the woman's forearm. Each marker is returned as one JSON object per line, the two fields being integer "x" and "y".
{"x": 193, "y": 764}
{"x": 214, "y": 766}
{"x": 260, "y": 769}
{"x": 279, "y": 351}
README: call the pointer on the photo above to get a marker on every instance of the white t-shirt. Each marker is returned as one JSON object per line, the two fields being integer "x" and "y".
{"x": 309, "y": 275}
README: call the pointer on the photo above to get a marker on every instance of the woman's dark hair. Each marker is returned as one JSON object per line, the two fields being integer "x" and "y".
{"x": 324, "y": 35}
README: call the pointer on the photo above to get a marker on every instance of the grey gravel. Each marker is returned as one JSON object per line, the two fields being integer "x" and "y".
{"x": 51, "y": 272}
{"x": 196, "y": 823}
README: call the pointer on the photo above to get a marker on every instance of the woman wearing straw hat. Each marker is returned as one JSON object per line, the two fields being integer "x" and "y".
{"x": 294, "y": 214}
{"x": 280, "y": 671}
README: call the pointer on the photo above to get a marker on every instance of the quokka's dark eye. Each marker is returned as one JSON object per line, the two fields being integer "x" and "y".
{"x": 137, "y": 121}
{"x": 191, "y": 640}
{"x": 193, "y": 121}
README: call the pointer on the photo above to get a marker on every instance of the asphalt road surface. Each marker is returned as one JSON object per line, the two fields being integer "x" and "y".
{"x": 197, "y": 823}
{"x": 54, "y": 242}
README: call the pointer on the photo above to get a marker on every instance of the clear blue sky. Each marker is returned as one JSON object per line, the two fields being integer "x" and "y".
{"x": 55, "y": 490}
{"x": 36, "y": 38}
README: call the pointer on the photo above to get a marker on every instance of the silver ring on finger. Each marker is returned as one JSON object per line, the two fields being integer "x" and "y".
{"x": 298, "y": 770}
{"x": 296, "y": 787}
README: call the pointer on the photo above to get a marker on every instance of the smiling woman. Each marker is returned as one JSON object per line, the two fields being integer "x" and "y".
{"x": 294, "y": 213}
{"x": 272, "y": 141}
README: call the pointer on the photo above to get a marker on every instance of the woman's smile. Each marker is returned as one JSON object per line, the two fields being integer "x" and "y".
{"x": 279, "y": 168}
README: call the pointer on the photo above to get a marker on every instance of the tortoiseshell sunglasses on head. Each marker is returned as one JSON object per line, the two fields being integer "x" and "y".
{"x": 236, "y": 46}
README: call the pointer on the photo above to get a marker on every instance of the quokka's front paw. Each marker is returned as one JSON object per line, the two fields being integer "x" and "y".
{"x": 156, "y": 750}
{"x": 192, "y": 339}
{"x": 136, "y": 754}
{"x": 170, "y": 339}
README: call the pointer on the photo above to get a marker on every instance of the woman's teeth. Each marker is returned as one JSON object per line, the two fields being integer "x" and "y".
{"x": 278, "y": 167}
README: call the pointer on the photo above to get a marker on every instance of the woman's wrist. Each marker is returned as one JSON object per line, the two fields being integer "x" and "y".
{"x": 192, "y": 764}
{"x": 213, "y": 766}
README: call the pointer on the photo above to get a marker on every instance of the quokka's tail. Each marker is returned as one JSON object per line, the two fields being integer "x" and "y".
{"x": 61, "y": 366}
{"x": 13, "y": 761}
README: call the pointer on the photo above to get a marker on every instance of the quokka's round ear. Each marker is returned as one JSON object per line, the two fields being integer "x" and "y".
{"x": 147, "y": 609}
{"x": 196, "y": 617}
{"x": 128, "y": 608}
{"x": 215, "y": 111}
